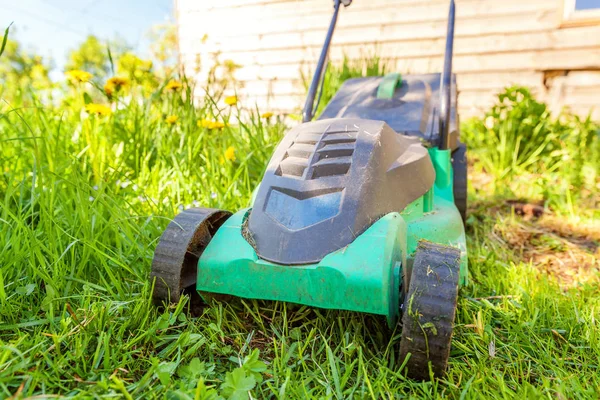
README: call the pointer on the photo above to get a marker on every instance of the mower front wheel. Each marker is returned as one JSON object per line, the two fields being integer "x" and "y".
{"x": 429, "y": 310}
{"x": 175, "y": 263}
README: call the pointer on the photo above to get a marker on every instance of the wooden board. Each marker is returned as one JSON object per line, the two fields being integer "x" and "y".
{"x": 377, "y": 33}
{"x": 230, "y": 23}
{"x": 498, "y": 43}
{"x": 303, "y": 8}
{"x": 584, "y": 37}
{"x": 466, "y": 82}
{"x": 532, "y": 60}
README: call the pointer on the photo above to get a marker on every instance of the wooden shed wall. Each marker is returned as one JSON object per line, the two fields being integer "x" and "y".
{"x": 497, "y": 43}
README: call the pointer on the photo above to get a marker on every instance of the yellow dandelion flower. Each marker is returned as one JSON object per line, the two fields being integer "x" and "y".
{"x": 115, "y": 84}
{"x": 76, "y": 75}
{"x": 171, "y": 119}
{"x": 230, "y": 153}
{"x": 208, "y": 124}
{"x": 204, "y": 123}
{"x": 98, "y": 109}
{"x": 231, "y": 100}
{"x": 173, "y": 85}
{"x": 266, "y": 115}
{"x": 217, "y": 125}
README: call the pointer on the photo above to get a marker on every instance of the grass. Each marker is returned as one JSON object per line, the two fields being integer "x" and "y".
{"x": 84, "y": 199}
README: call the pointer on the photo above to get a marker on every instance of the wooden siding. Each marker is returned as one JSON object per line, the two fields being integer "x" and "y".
{"x": 498, "y": 43}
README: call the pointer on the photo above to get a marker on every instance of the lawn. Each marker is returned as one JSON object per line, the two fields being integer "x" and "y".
{"x": 86, "y": 191}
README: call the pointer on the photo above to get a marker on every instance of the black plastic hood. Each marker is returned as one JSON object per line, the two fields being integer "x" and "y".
{"x": 328, "y": 181}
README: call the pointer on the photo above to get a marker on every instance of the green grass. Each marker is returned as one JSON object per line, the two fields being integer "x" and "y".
{"x": 83, "y": 201}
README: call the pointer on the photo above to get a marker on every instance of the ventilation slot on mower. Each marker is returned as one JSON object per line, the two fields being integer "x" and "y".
{"x": 336, "y": 150}
{"x": 339, "y": 137}
{"x": 301, "y": 150}
{"x": 308, "y": 138}
{"x": 292, "y": 166}
{"x": 331, "y": 167}
{"x": 334, "y": 155}
{"x": 296, "y": 160}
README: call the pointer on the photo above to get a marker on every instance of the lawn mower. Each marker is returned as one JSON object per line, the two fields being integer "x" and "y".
{"x": 361, "y": 209}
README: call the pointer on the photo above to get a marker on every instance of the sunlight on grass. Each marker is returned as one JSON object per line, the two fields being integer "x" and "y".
{"x": 86, "y": 191}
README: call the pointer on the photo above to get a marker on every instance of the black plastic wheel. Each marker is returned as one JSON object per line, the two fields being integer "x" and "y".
{"x": 459, "y": 165}
{"x": 429, "y": 310}
{"x": 175, "y": 263}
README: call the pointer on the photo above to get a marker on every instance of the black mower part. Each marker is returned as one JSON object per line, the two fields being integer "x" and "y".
{"x": 175, "y": 263}
{"x": 413, "y": 110}
{"x": 459, "y": 165}
{"x": 429, "y": 310}
{"x": 328, "y": 181}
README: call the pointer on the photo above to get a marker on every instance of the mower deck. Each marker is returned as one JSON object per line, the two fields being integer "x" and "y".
{"x": 364, "y": 276}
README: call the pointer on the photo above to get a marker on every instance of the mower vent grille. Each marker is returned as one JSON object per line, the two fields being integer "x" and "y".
{"x": 334, "y": 154}
{"x": 316, "y": 155}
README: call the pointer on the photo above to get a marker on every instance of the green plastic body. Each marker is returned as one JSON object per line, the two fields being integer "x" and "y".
{"x": 365, "y": 276}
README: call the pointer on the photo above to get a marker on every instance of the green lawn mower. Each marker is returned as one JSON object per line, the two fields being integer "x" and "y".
{"x": 361, "y": 210}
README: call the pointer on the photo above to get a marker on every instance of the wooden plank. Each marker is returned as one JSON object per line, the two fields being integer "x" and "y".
{"x": 496, "y": 81}
{"x": 289, "y": 104}
{"x": 499, "y": 43}
{"x": 475, "y": 103}
{"x": 266, "y": 21}
{"x": 275, "y": 87}
{"x": 531, "y": 60}
{"x": 584, "y": 110}
{"x": 371, "y": 34}
{"x": 582, "y": 96}
{"x": 577, "y": 79}
{"x": 466, "y": 82}
{"x": 303, "y": 8}
{"x": 470, "y": 105}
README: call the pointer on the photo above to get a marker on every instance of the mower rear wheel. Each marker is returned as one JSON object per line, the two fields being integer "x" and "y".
{"x": 459, "y": 165}
{"x": 429, "y": 310}
{"x": 175, "y": 263}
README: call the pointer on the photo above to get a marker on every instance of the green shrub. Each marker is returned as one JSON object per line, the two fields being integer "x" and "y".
{"x": 519, "y": 140}
{"x": 517, "y": 133}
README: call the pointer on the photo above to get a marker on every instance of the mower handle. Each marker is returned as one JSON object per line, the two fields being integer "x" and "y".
{"x": 319, "y": 76}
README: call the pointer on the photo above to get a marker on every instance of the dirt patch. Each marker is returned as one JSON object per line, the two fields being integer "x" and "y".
{"x": 526, "y": 210}
{"x": 568, "y": 250}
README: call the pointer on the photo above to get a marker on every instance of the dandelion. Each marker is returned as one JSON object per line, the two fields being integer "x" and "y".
{"x": 217, "y": 125}
{"x": 231, "y": 100}
{"x": 98, "y": 109}
{"x": 204, "y": 123}
{"x": 173, "y": 85}
{"x": 171, "y": 119}
{"x": 266, "y": 115}
{"x": 115, "y": 84}
{"x": 230, "y": 153}
{"x": 78, "y": 76}
{"x": 208, "y": 124}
